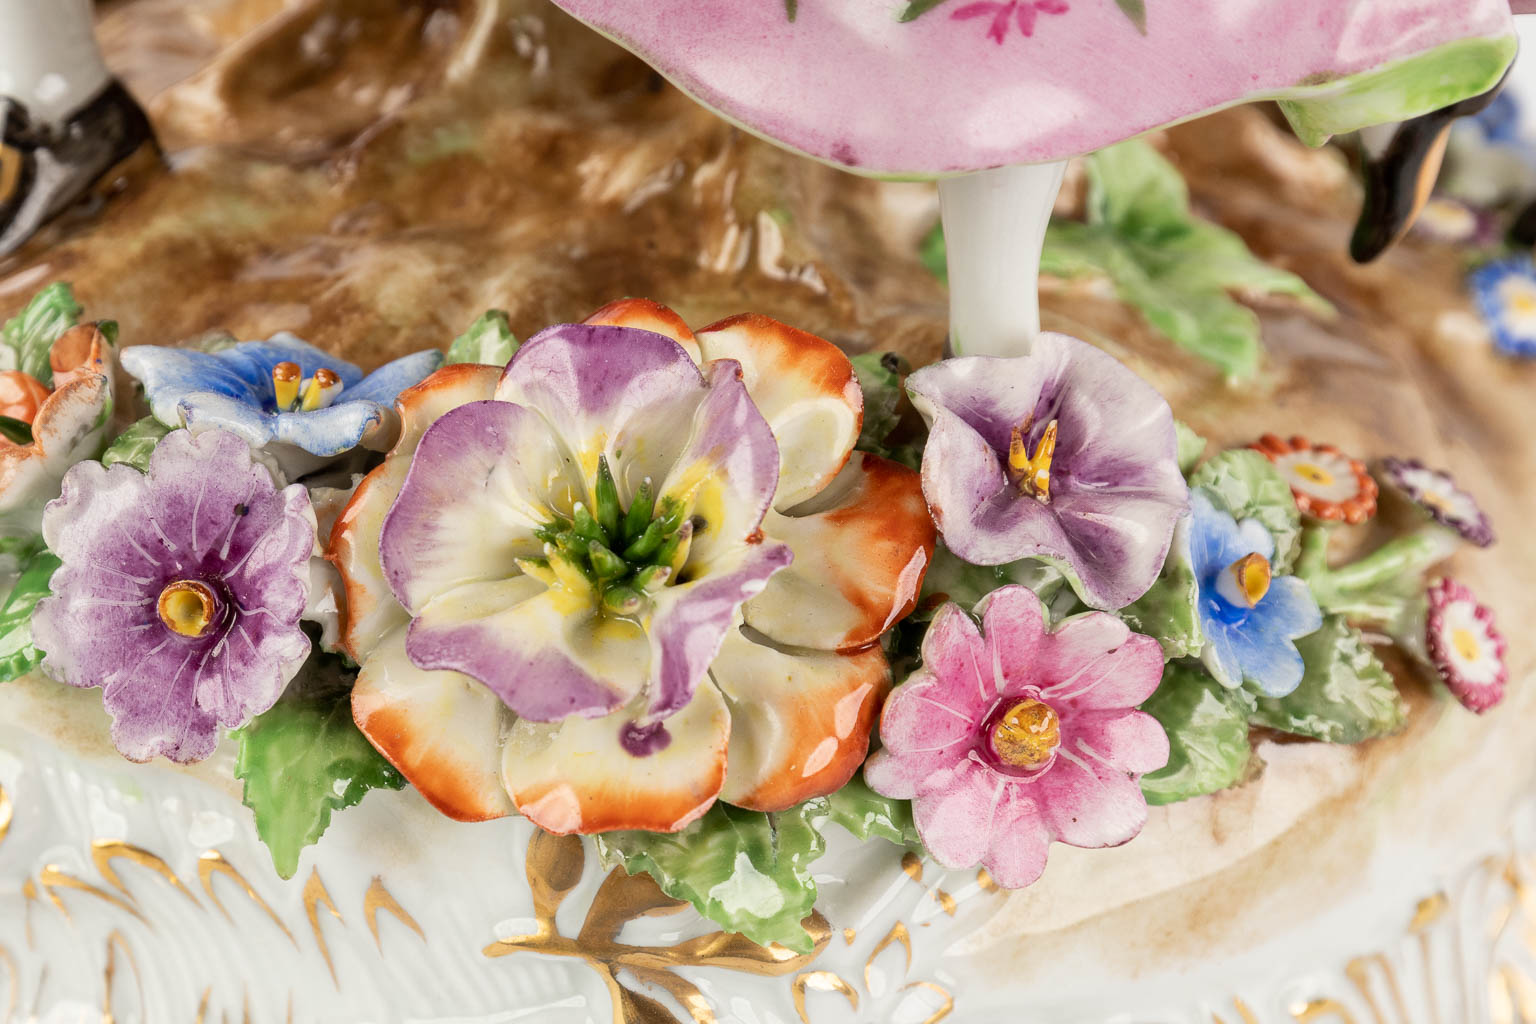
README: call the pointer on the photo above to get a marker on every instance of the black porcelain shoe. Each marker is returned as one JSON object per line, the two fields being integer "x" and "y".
{"x": 1398, "y": 180}
{"x": 46, "y": 169}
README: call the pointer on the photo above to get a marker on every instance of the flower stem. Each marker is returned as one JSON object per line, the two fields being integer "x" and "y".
{"x": 994, "y": 227}
{"x": 1412, "y": 555}
{"x": 1380, "y": 587}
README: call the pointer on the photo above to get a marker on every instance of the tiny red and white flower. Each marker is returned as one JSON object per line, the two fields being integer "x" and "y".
{"x": 1466, "y": 647}
{"x": 1326, "y": 483}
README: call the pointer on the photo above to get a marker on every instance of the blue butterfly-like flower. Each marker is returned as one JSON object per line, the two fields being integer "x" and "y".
{"x": 281, "y": 392}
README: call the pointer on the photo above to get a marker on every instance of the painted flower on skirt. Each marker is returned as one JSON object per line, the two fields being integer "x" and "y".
{"x": 1506, "y": 296}
{"x": 284, "y": 393}
{"x": 570, "y": 584}
{"x": 180, "y": 592}
{"x": 1436, "y": 493}
{"x": 1454, "y": 222}
{"x": 1326, "y": 483}
{"x": 1014, "y": 736}
{"x": 1251, "y": 618}
{"x": 68, "y": 423}
{"x": 1465, "y": 646}
{"x": 1063, "y": 454}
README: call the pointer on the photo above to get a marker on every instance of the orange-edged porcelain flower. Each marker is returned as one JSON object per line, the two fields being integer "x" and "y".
{"x": 1326, "y": 483}
{"x": 525, "y": 648}
{"x": 68, "y": 423}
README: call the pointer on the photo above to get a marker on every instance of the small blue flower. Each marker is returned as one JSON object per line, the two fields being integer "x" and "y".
{"x": 1251, "y": 619}
{"x": 283, "y": 390}
{"x": 1500, "y": 120}
{"x": 1506, "y": 296}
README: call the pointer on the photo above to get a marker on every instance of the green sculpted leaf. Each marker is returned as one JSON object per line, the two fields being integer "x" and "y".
{"x": 1347, "y": 694}
{"x": 867, "y": 814}
{"x": 1191, "y": 447}
{"x": 951, "y": 578}
{"x": 880, "y": 378}
{"x": 1400, "y": 90}
{"x": 1169, "y": 612}
{"x": 489, "y": 340}
{"x": 917, "y": 8}
{"x": 1207, "y": 727}
{"x": 1136, "y": 10}
{"x": 18, "y": 655}
{"x": 304, "y": 758}
{"x": 16, "y": 431}
{"x": 31, "y": 333}
{"x": 747, "y": 871}
{"x": 1174, "y": 267}
{"x": 135, "y": 445}
{"x": 1248, "y": 486}
{"x": 934, "y": 254}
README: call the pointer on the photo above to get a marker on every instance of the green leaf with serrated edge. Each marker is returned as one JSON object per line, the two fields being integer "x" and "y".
{"x": 135, "y": 445}
{"x": 1346, "y": 695}
{"x": 304, "y": 758}
{"x": 1136, "y": 10}
{"x": 31, "y": 333}
{"x": 1207, "y": 727}
{"x": 1248, "y": 486}
{"x": 747, "y": 871}
{"x": 489, "y": 340}
{"x": 1169, "y": 611}
{"x": 18, "y": 655}
{"x": 917, "y": 8}
{"x": 867, "y": 814}
{"x": 1191, "y": 446}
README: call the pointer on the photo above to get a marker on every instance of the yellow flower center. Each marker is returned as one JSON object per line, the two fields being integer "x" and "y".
{"x": 1027, "y": 734}
{"x": 1246, "y": 581}
{"x": 1032, "y": 472}
{"x": 1314, "y": 473}
{"x": 1465, "y": 643}
{"x": 187, "y": 607}
{"x": 1524, "y": 303}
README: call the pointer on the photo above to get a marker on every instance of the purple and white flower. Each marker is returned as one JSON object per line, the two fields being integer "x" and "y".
{"x": 1064, "y": 454}
{"x": 1435, "y": 492}
{"x": 180, "y": 592}
{"x": 1465, "y": 646}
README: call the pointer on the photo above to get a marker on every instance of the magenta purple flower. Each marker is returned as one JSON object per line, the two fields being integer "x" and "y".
{"x": 1466, "y": 647}
{"x": 1064, "y": 454}
{"x": 1013, "y": 736}
{"x": 180, "y": 591}
{"x": 1024, "y": 12}
{"x": 1437, "y": 493}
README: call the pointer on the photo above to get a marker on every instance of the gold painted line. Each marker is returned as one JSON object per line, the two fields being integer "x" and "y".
{"x": 212, "y": 863}
{"x": 104, "y": 851}
{"x": 202, "y": 1006}
{"x": 912, "y": 864}
{"x": 7, "y": 811}
{"x": 943, "y": 993}
{"x": 897, "y": 934}
{"x": 315, "y": 895}
{"x": 378, "y": 898}
{"x": 54, "y": 878}
{"x": 821, "y": 981}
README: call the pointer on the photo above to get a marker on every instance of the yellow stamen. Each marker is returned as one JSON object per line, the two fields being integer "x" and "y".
{"x": 187, "y": 607}
{"x": 1032, "y": 473}
{"x": 285, "y": 384}
{"x": 1466, "y": 644}
{"x": 1246, "y": 580}
{"x": 1027, "y": 734}
{"x": 321, "y": 390}
{"x": 543, "y": 573}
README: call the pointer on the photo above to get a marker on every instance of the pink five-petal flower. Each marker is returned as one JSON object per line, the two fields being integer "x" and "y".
{"x": 1012, "y": 736}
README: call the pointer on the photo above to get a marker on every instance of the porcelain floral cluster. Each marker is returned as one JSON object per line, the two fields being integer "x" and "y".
{"x": 671, "y": 588}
